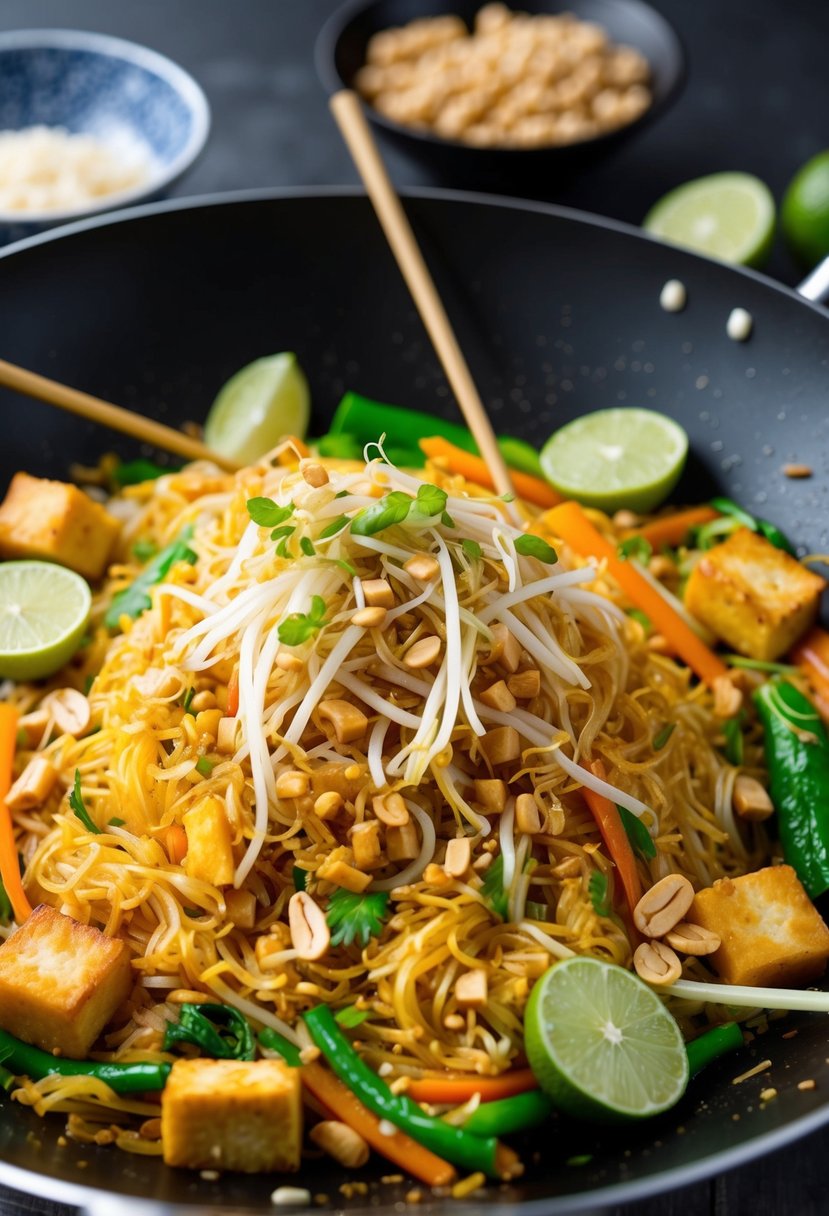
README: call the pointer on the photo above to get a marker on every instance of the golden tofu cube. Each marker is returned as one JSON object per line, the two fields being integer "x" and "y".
{"x": 755, "y": 597}
{"x": 770, "y": 931}
{"x": 209, "y": 846}
{"x": 232, "y": 1115}
{"x": 56, "y": 522}
{"x": 61, "y": 982}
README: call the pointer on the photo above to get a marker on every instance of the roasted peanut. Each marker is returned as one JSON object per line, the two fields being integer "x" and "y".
{"x": 370, "y": 618}
{"x": 692, "y": 939}
{"x": 309, "y": 929}
{"x": 491, "y": 793}
{"x": 525, "y": 685}
{"x": 423, "y": 653}
{"x": 663, "y": 906}
{"x": 423, "y": 567}
{"x": 656, "y": 963}
{"x": 69, "y": 710}
{"x": 471, "y": 989}
{"x": 527, "y": 815}
{"x": 501, "y": 745}
{"x": 378, "y": 593}
{"x": 313, "y": 474}
{"x": 498, "y": 696}
{"x": 458, "y": 856}
{"x": 750, "y": 800}
{"x": 341, "y": 1142}
{"x": 292, "y": 784}
{"x": 349, "y": 723}
{"x": 391, "y": 810}
{"x": 33, "y": 786}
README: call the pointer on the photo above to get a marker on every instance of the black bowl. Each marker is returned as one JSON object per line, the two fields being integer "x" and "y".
{"x": 341, "y": 52}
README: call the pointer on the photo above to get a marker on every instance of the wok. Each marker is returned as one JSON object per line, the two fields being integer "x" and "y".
{"x": 559, "y": 313}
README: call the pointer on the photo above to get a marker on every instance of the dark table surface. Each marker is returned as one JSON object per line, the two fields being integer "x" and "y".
{"x": 757, "y": 100}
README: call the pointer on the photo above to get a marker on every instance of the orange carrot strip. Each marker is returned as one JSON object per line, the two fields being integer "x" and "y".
{"x": 455, "y": 1090}
{"x": 233, "y": 694}
{"x": 399, "y": 1148}
{"x": 811, "y": 654}
{"x": 609, "y": 823}
{"x": 9, "y": 864}
{"x": 175, "y": 843}
{"x": 473, "y": 468}
{"x": 673, "y": 529}
{"x": 570, "y": 523}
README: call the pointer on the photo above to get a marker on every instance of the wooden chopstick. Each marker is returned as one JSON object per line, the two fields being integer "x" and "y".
{"x": 348, "y": 111}
{"x": 113, "y": 416}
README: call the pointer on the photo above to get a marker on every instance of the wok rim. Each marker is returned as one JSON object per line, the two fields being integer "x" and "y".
{"x": 92, "y": 1199}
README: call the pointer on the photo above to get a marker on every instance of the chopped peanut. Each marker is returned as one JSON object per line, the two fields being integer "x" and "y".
{"x": 69, "y": 710}
{"x": 391, "y": 810}
{"x": 337, "y": 868}
{"x": 423, "y": 567}
{"x": 471, "y": 989}
{"x": 458, "y": 856}
{"x": 498, "y": 696}
{"x": 728, "y": 700}
{"x": 349, "y": 722}
{"x": 424, "y": 652}
{"x": 309, "y": 929}
{"x": 341, "y": 1142}
{"x": 491, "y": 793}
{"x": 750, "y": 800}
{"x": 502, "y": 745}
{"x": 292, "y": 784}
{"x": 525, "y": 685}
{"x": 370, "y": 618}
{"x": 226, "y": 736}
{"x": 33, "y": 786}
{"x": 402, "y": 843}
{"x": 378, "y": 593}
{"x": 327, "y": 805}
{"x": 241, "y": 908}
{"x": 527, "y": 815}
{"x": 505, "y": 650}
{"x": 365, "y": 842}
{"x": 313, "y": 474}
{"x": 288, "y": 662}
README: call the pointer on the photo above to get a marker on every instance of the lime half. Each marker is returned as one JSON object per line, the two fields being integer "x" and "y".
{"x": 624, "y": 457}
{"x": 602, "y": 1044}
{"x": 43, "y": 614}
{"x": 263, "y": 402}
{"x": 805, "y": 211}
{"x": 729, "y": 216}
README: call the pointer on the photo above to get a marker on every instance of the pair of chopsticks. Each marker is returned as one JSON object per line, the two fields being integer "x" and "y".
{"x": 348, "y": 112}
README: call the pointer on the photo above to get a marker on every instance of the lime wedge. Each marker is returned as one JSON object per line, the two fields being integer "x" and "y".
{"x": 729, "y": 216}
{"x": 263, "y": 402}
{"x": 602, "y": 1044}
{"x": 805, "y": 211}
{"x": 624, "y": 457}
{"x": 43, "y": 614}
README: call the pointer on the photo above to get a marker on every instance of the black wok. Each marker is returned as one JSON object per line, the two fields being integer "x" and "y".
{"x": 559, "y": 314}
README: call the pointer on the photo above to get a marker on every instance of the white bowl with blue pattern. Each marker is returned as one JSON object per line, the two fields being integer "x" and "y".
{"x": 106, "y": 87}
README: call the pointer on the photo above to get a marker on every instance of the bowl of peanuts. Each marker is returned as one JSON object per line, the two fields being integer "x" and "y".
{"x": 486, "y": 92}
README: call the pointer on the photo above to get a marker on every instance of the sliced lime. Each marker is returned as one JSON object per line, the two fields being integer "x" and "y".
{"x": 43, "y": 614}
{"x": 602, "y": 1044}
{"x": 805, "y": 211}
{"x": 263, "y": 402}
{"x": 729, "y": 216}
{"x": 624, "y": 457}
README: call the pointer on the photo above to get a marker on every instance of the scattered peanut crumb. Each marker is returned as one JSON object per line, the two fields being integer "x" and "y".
{"x": 766, "y": 1095}
{"x": 467, "y": 1185}
{"x": 414, "y": 1195}
{"x": 322, "y": 1201}
{"x": 290, "y": 1196}
{"x": 349, "y": 1189}
{"x": 209, "y": 1175}
{"x": 309, "y": 1054}
{"x": 797, "y": 470}
{"x": 803, "y": 1085}
{"x": 752, "y": 1072}
{"x": 391, "y": 1179}
{"x": 62, "y": 1142}
{"x": 400, "y": 1084}
{"x": 673, "y": 298}
{"x": 790, "y": 1034}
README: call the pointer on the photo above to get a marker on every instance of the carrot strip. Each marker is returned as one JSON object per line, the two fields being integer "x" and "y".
{"x": 399, "y": 1148}
{"x": 570, "y": 523}
{"x": 233, "y": 694}
{"x": 609, "y": 823}
{"x": 673, "y": 529}
{"x": 455, "y": 1090}
{"x": 175, "y": 843}
{"x": 9, "y": 864}
{"x": 473, "y": 468}
{"x": 811, "y": 654}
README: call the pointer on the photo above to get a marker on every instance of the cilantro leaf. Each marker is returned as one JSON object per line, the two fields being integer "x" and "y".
{"x": 472, "y": 549}
{"x": 598, "y": 888}
{"x": 301, "y": 626}
{"x": 640, "y": 838}
{"x": 493, "y": 888}
{"x": 204, "y": 766}
{"x": 267, "y": 513}
{"x": 76, "y": 803}
{"x": 447, "y": 520}
{"x": 353, "y": 917}
{"x": 334, "y": 527}
{"x": 635, "y": 546}
{"x": 662, "y": 736}
{"x": 351, "y": 1016}
{"x": 300, "y": 877}
{"x": 430, "y": 501}
{"x": 135, "y": 599}
{"x": 188, "y": 697}
{"x": 390, "y": 510}
{"x": 533, "y": 546}
{"x": 307, "y": 546}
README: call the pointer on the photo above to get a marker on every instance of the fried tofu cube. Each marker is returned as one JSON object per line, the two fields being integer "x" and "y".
{"x": 57, "y": 522}
{"x": 233, "y": 1115}
{"x": 61, "y": 982}
{"x": 770, "y": 931}
{"x": 209, "y": 845}
{"x": 755, "y": 597}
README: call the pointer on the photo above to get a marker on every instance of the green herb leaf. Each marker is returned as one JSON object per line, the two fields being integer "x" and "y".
{"x": 351, "y": 1016}
{"x": 492, "y": 888}
{"x": 347, "y": 566}
{"x": 299, "y": 627}
{"x": 220, "y": 1031}
{"x": 300, "y": 877}
{"x": 472, "y": 549}
{"x": 640, "y": 838}
{"x": 135, "y": 599}
{"x": 430, "y": 501}
{"x": 133, "y": 472}
{"x": 267, "y": 513}
{"x": 662, "y": 736}
{"x": 307, "y": 546}
{"x": 204, "y": 766}
{"x": 352, "y": 917}
{"x": 533, "y": 546}
{"x": 186, "y": 702}
{"x": 390, "y": 510}
{"x": 598, "y": 888}
{"x": 285, "y": 530}
{"x": 447, "y": 520}
{"x": 76, "y": 804}
{"x": 635, "y": 546}
{"x": 192, "y": 913}
{"x": 732, "y": 731}
{"x": 334, "y": 527}
{"x": 115, "y": 822}
{"x": 143, "y": 550}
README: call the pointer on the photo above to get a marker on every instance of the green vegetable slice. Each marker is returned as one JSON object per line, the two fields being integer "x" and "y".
{"x": 135, "y": 599}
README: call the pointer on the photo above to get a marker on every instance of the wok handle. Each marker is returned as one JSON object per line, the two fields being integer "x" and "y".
{"x": 816, "y": 285}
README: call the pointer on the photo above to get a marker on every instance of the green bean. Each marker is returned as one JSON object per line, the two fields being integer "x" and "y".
{"x": 23, "y": 1060}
